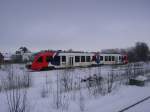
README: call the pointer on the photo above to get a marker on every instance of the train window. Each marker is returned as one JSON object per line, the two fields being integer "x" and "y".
{"x": 93, "y": 58}
{"x": 119, "y": 57}
{"x": 113, "y": 58}
{"x": 63, "y": 59}
{"x": 77, "y": 58}
{"x": 82, "y": 58}
{"x": 109, "y": 58}
{"x": 49, "y": 58}
{"x": 40, "y": 59}
{"x": 101, "y": 58}
{"x": 106, "y": 58}
{"x": 125, "y": 58}
{"x": 88, "y": 59}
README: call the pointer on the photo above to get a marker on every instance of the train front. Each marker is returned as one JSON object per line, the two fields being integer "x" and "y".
{"x": 41, "y": 61}
{"x": 29, "y": 63}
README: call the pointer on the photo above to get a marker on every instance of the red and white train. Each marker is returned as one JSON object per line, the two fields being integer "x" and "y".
{"x": 62, "y": 59}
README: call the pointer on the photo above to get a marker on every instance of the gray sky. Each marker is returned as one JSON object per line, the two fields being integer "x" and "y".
{"x": 87, "y": 25}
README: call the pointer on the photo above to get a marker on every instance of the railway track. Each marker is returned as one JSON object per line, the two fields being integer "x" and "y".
{"x": 129, "y": 107}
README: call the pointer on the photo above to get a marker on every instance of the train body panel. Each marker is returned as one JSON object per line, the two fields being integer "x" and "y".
{"x": 74, "y": 59}
{"x": 111, "y": 59}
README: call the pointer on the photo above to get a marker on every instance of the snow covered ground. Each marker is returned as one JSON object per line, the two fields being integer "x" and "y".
{"x": 41, "y": 96}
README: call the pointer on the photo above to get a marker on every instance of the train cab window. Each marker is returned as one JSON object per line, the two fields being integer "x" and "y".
{"x": 82, "y": 58}
{"x": 40, "y": 60}
{"x": 49, "y": 58}
{"x": 109, "y": 58}
{"x": 101, "y": 58}
{"x": 113, "y": 58}
{"x": 77, "y": 58}
{"x": 106, "y": 58}
{"x": 88, "y": 59}
{"x": 63, "y": 59}
{"x": 57, "y": 58}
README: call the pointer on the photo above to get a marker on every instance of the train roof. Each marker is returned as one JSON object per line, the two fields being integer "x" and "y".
{"x": 112, "y": 53}
{"x": 75, "y": 52}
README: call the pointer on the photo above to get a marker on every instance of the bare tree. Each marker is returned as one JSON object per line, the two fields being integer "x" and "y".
{"x": 57, "y": 95}
{"x": 45, "y": 89}
{"x": 65, "y": 80}
{"x": 17, "y": 100}
{"x": 110, "y": 81}
{"x": 15, "y": 86}
{"x": 128, "y": 73}
{"x": 81, "y": 102}
{"x": 142, "y": 51}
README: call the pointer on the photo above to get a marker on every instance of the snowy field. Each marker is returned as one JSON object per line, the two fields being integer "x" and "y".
{"x": 63, "y": 90}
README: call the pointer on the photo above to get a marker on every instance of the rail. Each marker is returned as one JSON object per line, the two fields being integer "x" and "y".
{"x": 127, "y": 108}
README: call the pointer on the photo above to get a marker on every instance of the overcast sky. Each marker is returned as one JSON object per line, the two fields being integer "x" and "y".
{"x": 87, "y": 25}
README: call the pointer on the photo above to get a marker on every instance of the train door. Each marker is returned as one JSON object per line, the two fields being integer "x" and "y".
{"x": 71, "y": 61}
{"x": 116, "y": 59}
{"x": 120, "y": 59}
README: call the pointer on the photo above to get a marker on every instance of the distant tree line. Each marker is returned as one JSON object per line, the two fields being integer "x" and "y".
{"x": 21, "y": 55}
{"x": 18, "y": 56}
{"x": 140, "y": 52}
